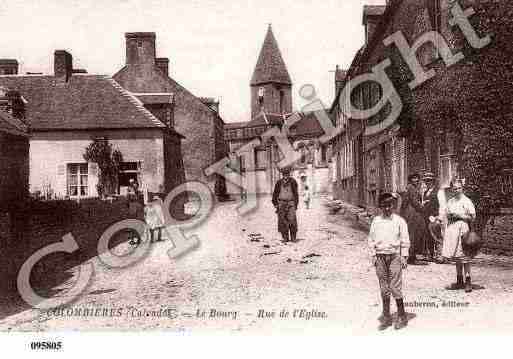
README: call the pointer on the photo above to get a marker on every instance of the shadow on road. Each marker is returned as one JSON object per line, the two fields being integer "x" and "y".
{"x": 49, "y": 275}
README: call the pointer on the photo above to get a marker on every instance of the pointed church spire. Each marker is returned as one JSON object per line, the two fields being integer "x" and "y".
{"x": 270, "y": 66}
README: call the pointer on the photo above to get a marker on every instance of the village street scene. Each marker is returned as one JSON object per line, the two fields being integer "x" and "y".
{"x": 326, "y": 274}
{"x": 131, "y": 202}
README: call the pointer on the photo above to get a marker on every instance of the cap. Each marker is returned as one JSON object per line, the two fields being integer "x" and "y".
{"x": 285, "y": 170}
{"x": 386, "y": 198}
{"x": 428, "y": 175}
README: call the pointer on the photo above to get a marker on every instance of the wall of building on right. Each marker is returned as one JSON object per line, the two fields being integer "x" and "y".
{"x": 455, "y": 91}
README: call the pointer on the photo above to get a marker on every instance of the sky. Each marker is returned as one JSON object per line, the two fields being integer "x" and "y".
{"x": 212, "y": 45}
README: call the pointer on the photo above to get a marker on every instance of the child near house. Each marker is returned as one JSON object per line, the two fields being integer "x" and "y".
{"x": 389, "y": 244}
{"x": 154, "y": 218}
{"x": 305, "y": 191}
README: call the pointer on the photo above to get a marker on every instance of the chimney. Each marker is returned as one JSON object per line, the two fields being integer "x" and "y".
{"x": 63, "y": 65}
{"x": 371, "y": 17}
{"x": 8, "y": 67}
{"x": 140, "y": 48}
{"x": 163, "y": 64}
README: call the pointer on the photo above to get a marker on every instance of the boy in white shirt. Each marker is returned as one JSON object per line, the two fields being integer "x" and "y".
{"x": 389, "y": 244}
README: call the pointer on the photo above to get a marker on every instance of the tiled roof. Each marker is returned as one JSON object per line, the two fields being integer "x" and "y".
{"x": 156, "y": 82}
{"x": 234, "y": 125}
{"x": 84, "y": 102}
{"x": 270, "y": 66}
{"x": 154, "y": 98}
{"x": 264, "y": 119}
{"x": 307, "y": 126}
{"x": 12, "y": 125}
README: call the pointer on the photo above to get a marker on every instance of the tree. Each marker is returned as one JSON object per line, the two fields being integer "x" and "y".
{"x": 100, "y": 151}
{"x": 486, "y": 153}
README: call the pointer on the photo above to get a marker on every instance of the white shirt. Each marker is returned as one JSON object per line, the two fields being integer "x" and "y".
{"x": 389, "y": 236}
{"x": 462, "y": 207}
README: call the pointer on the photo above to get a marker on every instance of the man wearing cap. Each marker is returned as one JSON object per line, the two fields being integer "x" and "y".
{"x": 431, "y": 206}
{"x": 389, "y": 244}
{"x": 285, "y": 200}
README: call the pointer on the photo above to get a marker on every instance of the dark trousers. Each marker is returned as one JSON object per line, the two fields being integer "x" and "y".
{"x": 435, "y": 239}
{"x": 287, "y": 221}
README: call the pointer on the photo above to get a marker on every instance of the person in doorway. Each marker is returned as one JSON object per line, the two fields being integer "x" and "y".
{"x": 135, "y": 209}
{"x": 431, "y": 207}
{"x": 285, "y": 200}
{"x": 389, "y": 245}
{"x": 460, "y": 213}
{"x": 306, "y": 195}
{"x": 412, "y": 212}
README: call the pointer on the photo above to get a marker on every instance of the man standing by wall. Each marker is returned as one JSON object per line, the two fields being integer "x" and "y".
{"x": 431, "y": 207}
{"x": 285, "y": 200}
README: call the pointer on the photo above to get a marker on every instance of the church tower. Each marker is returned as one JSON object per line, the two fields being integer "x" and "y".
{"x": 271, "y": 87}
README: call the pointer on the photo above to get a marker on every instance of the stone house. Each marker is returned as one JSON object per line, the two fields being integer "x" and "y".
{"x": 14, "y": 169}
{"x": 450, "y": 65}
{"x": 145, "y": 75}
{"x": 347, "y": 162}
{"x": 421, "y": 139}
{"x": 70, "y": 108}
{"x": 14, "y": 159}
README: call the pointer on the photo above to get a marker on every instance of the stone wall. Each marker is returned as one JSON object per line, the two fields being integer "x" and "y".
{"x": 14, "y": 169}
{"x": 42, "y": 223}
{"x": 498, "y": 236}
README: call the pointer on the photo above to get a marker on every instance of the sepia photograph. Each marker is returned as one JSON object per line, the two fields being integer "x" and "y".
{"x": 183, "y": 168}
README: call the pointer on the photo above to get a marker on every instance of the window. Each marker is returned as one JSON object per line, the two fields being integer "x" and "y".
{"x": 282, "y": 97}
{"x": 506, "y": 182}
{"x": 169, "y": 118}
{"x": 435, "y": 11}
{"x": 261, "y": 158}
{"x": 447, "y": 170}
{"x": 139, "y": 43}
{"x": 77, "y": 180}
{"x": 261, "y": 92}
{"x": 303, "y": 156}
{"x": 437, "y": 16}
{"x": 242, "y": 163}
{"x": 127, "y": 171}
{"x": 323, "y": 154}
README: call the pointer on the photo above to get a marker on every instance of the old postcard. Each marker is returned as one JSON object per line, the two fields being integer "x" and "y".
{"x": 257, "y": 167}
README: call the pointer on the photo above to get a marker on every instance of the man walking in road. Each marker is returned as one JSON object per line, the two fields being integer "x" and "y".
{"x": 285, "y": 200}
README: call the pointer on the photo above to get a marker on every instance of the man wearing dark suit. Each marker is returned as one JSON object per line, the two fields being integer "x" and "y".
{"x": 431, "y": 209}
{"x": 285, "y": 200}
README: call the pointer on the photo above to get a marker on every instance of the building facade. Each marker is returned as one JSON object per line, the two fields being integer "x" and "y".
{"x": 68, "y": 110}
{"x": 445, "y": 58}
{"x": 272, "y": 107}
{"x": 147, "y": 76}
